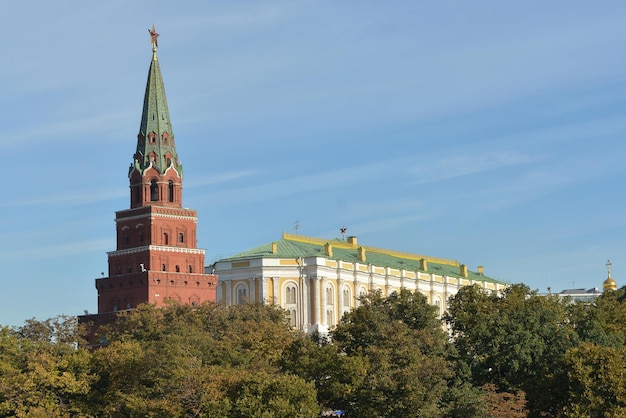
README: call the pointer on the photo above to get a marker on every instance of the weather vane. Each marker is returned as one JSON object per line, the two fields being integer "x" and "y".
{"x": 608, "y": 267}
{"x": 343, "y": 232}
{"x": 153, "y": 37}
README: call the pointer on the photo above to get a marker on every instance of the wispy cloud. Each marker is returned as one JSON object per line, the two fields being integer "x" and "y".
{"x": 450, "y": 167}
{"x": 68, "y": 130}
{"x": 220, "y": 178}
{"x": 65, "y": 250}
{"x": 66, "y": 199}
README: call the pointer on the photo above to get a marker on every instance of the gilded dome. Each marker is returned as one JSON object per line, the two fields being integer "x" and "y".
{"x": 609, "y": 283}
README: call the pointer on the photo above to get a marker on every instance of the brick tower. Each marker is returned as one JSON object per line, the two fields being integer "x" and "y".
{"x": 156, "y": 258}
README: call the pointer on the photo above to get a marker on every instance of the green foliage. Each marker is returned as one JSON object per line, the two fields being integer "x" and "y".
{"x": 597, "y": 382}
{"x": 42, "y": 373}
{"x": 513, "y": 354}
{"x": 515, "y": 341}
{"x": 401, "y": 343}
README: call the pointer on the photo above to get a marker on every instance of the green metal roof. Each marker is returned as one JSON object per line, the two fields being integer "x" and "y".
{"x": 294, "y": 246}
{"x": 155, "y": 118}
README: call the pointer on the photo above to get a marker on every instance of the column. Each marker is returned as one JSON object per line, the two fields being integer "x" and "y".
{"x": 276, "y": 285}
{"x": 229, "y": 299}
{"x": 315, "y": 314}
{"x": 263, "y": 290}
{"x": 252, "y": 282}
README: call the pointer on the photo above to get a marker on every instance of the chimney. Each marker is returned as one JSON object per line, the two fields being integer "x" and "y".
{"x": 463, "y": 270}
{"x": 328, "y": 249}
{"x": 274, "y": 248}
{"x": 423, "y": 264}
{"x": 481, "y": 270}
{"x": 361, "y": 254}
{"x": 352, "y": 241}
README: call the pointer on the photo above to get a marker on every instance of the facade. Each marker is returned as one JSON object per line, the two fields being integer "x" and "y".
{"x": 317, "y": 280}
{"x": 156, "y": 258}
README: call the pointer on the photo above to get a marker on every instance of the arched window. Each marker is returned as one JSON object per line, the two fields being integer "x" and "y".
{"x": 170, "y": 191}
{"x": 181, "y": 237}
{"x": 141, "y": 236}
{"x": 438, "y": 304}
{"x": 166, "y": 238}
{"x": 291, "y": 303}
{"x": 177, "y": 269}
{"x": 346, "y": 299}
{"x": 137, "y": 193}
{"x": 290, "y": 295}
{"x": 241, "y": 294}
{"x": 329, "y": 295}
{"x": 154, "y": 191}
{"x": 163, "y": 266}
{"x": 330, "y": 306}
{"x": 362, "y": 294}
{"x": 190, "y": 268}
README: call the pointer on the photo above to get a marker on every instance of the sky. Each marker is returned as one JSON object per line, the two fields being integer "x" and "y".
{"x": 488, "y": 132}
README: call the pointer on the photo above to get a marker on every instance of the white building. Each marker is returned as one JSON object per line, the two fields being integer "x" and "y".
{"x": 317, "y": 280}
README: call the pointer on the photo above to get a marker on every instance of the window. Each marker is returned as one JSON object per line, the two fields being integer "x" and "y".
{"x": 329, "y": 318}
{"x": 346, "y": 297}
{"x": 291, "y": 303}
{"x": 126, "y": 239}
{"x": 181, "y": 237}
{"x": 330, "y": 308}
{"x": 190, "y": 268}
{"x": 166, "y": 238}
{"x": 163, "y": 266}
{"x": 242, "y": 295}
{"x": 290, "y": 294}
{"x": 291, "y": 316}
{"x": 140, "y": 236}
{"x": 154, "y": 191}
{"x": 170, "y": 190}
{"x": 177, "y": 269}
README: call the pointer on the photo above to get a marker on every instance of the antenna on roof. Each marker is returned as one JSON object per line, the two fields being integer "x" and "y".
{"x": 343, "y": 230}
{"x": 296, "y": 226}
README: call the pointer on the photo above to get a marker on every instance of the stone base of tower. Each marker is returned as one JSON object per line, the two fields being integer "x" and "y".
{"x": 126, "y": 291}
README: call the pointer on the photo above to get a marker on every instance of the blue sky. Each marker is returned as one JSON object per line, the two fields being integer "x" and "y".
{"x": 489, "y": 132}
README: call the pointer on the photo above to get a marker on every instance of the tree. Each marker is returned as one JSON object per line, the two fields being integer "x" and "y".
{"x": 597, "y": 383}
{"x": 515, "y": 340}
{"x": 402, "y": 345}
{"x": 43, "y": 373}
{"x": 208, "y": 361}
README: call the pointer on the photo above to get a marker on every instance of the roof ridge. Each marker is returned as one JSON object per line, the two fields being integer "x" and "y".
{"x": 345, "y": 245}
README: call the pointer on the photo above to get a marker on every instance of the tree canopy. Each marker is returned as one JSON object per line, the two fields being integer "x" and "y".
{"x": 510, "y": 354}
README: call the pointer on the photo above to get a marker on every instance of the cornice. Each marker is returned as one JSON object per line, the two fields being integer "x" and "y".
{"x": 152, "y": 215}
{"x": 136, "y": 250}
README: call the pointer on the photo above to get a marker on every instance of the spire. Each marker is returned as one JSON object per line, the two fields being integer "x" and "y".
{"x": 155, "y": 142}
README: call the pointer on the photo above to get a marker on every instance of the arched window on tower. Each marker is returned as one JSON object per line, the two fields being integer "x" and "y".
{"x": 166, "y": 238}
{"x": 170, "y": 191}
{"x": 154, "y": 191}
{"x": 136, "y": 194}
